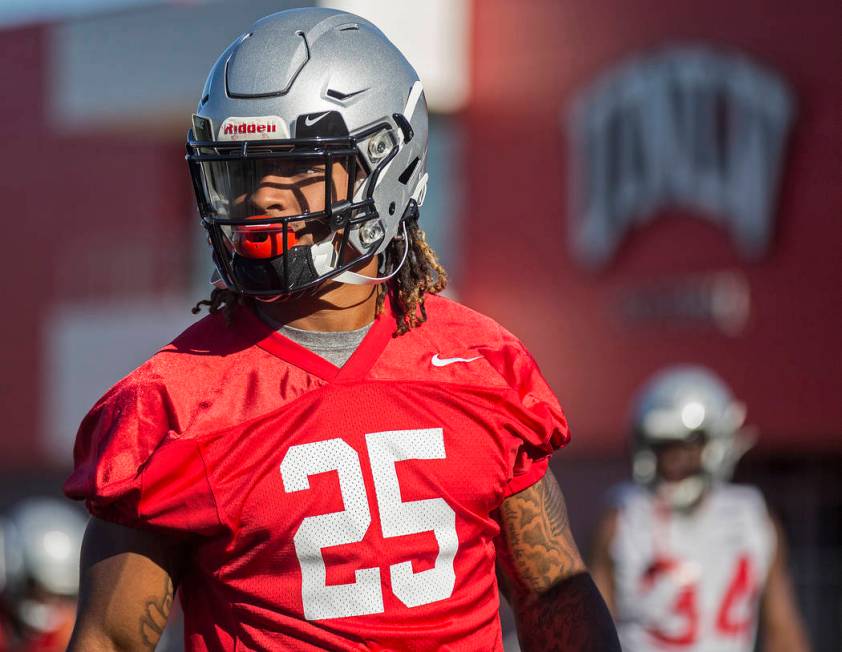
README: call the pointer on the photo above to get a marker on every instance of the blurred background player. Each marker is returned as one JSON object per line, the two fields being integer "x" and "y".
{"x": 685, "y": 559}
{"x": 40, "y": 540}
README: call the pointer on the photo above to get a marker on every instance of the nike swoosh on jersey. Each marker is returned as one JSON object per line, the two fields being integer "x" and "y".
{"x": 443, "y": 362}
{"x": 308, "y": 122}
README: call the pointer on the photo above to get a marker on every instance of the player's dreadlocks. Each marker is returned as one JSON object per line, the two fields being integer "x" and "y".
{"x": 420, "y": 274}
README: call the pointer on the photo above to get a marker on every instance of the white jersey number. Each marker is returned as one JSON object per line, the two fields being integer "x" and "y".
{"x": 363, "y": 596}
{"x": 397, "y": 518}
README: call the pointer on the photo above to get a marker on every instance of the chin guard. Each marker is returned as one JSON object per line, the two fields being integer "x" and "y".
{"x": 272, "y": 274}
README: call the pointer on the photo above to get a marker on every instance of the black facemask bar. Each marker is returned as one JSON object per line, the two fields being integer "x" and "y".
{"x": 292, "y": 269}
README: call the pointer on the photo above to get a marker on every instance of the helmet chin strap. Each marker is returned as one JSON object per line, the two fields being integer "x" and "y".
{"x": 352, "y": 278}
{"x": 269, "y": 299}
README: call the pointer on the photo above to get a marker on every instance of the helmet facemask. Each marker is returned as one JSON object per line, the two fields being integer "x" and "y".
{"x": 676, "y": 471}
{"x": 284, "y": 215}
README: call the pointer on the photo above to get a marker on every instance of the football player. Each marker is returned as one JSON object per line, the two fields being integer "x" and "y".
{"x": 336, "y": 457}
{"x": 40, "y": 539}
{"x": 685, "y": 559}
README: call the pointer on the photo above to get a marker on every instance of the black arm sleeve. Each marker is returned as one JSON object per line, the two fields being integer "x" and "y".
{"x": 569, "y": 617}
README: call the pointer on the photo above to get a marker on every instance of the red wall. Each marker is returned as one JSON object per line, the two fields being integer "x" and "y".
{"x": 86, "y": 216}
{"x": 529, "y": 59}
{"x": 90, "y": 216}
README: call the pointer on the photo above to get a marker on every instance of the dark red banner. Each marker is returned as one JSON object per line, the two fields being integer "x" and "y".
{"x": 710, "y": 229}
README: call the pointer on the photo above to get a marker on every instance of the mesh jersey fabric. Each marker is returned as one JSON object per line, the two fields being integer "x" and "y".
{"x": 327, "y": 508}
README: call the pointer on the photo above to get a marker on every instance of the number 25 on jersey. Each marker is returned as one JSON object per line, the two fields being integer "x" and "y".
{"x": 364, "y": 595}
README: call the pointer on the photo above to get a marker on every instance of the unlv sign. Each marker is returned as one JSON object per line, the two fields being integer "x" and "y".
{"x": 685, "y": 128}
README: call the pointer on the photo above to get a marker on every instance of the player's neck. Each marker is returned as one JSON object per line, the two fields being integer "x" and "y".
{"x": 336, "y": 307}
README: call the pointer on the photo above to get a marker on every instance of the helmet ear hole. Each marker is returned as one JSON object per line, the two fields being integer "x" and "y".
{"x": 406, "y": 175}
{"x": 392, "y": 208}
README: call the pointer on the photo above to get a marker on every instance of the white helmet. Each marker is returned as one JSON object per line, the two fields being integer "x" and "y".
{"x": 307, "y": 92}
{"x": 681, "y": 403}
{"x": 40, "y": 543}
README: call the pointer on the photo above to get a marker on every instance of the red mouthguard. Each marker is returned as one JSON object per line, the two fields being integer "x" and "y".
{"x": 261, "y": 240}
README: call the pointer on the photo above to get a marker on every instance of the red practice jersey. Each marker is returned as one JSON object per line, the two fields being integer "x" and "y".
{"x": 328, "y": 508}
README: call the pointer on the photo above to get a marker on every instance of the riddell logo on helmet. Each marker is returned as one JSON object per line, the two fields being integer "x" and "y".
{"x": 249, "y": 129}
{"x": 257, "y": 128}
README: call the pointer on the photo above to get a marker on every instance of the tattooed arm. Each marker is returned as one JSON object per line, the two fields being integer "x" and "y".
{"x": 126, "y": 589}
{"x": 556, "y": 604}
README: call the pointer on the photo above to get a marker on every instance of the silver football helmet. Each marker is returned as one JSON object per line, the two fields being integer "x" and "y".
{"x": 308, "y": 151}
{"x": 678, "y": 404}
{"x": 40, "y": 542}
